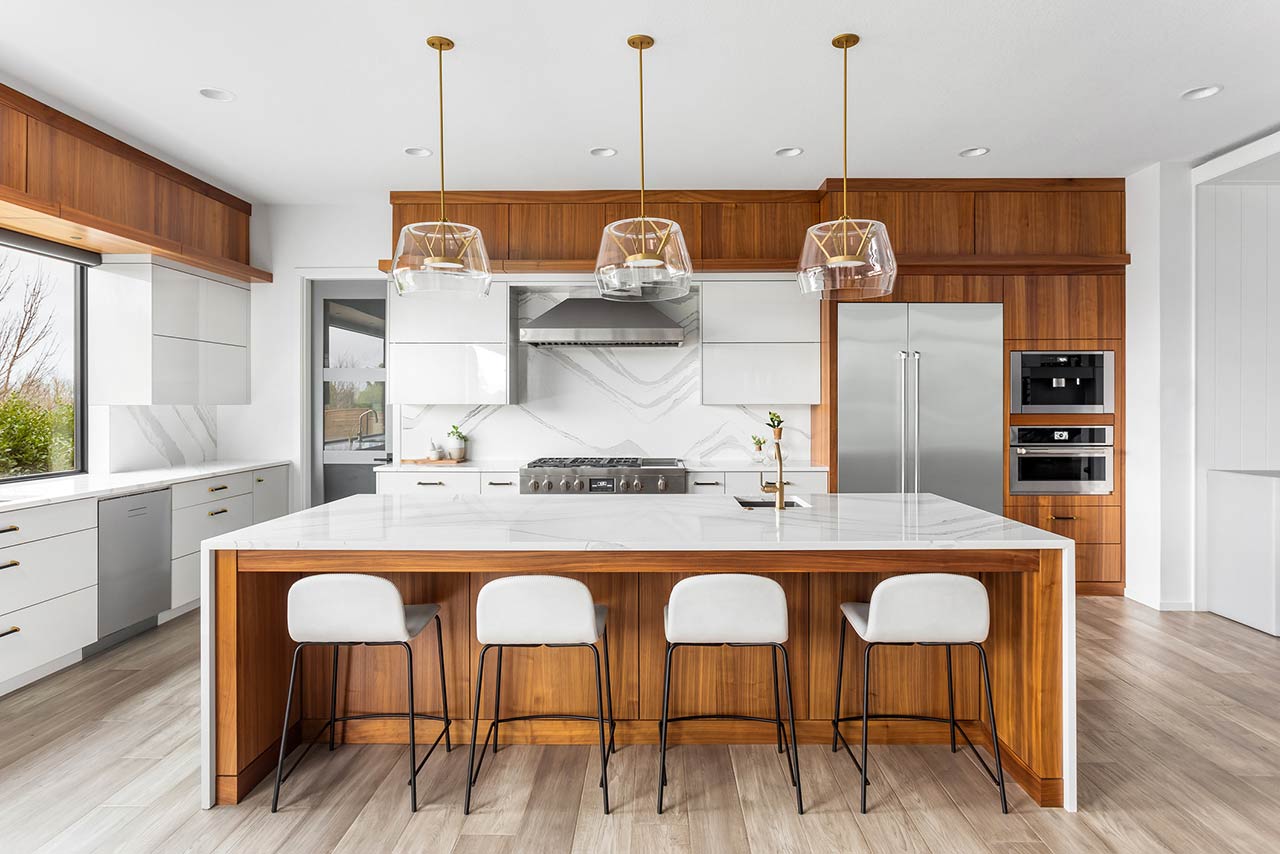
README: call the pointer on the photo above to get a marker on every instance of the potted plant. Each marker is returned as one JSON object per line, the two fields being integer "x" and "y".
{"x": 775, "y": 421}
{"x": 758, "y": 441}
{"x": 455, "y": 443}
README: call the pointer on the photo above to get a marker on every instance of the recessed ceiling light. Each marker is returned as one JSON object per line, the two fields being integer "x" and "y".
{"x": 602, "y": 152}
{"x": 213, "y": 93}
{"x": 789, "y": 151}
{"x": 417, "y": 151}
{"x": 975, "y": 152}
{"x": 1200, "y": 93}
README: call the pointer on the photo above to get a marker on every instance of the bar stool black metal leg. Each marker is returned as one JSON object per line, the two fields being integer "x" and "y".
{"x": 444, "y": 691}
{"x": 995, "y": 739}
{"x": 662, "y": 726}
{"x": 608, "y": 692}
{"x": 835, "y": 716}
{"x": 413, "y": 735}
{"x": 777, "y": 703}
{"x": 333, "y": 698}
{"x": 475, "y": 728}
{"x": 497, "y": 699}
{"x": 866, "y": 700}
{"x": 604, "y": 748}
{"x": 951, "y": 701}
{"x": 794, "y": 751}
{"x": 284, "y": 729}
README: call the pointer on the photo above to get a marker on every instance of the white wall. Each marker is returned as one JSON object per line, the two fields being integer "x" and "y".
{"x": 1159, "y": 308}
{"x": 1237, "y": 336}
{"x": 296, "y": 243}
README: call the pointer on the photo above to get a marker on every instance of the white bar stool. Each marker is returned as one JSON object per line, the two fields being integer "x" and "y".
{"x": 729, "y": 610}
{"x": 539, "y": 610}
{"x": 926, "y": 609}
{"x": 347, "y": 609}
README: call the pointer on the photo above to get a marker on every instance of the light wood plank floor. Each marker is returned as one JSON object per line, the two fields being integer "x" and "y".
{"x": 1179, "y": 735}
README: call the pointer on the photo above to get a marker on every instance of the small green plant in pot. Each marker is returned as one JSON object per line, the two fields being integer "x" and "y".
{"x": 775, "y": 421}
{"x": 455, "y": 443}
{"x": 758, "y": 442}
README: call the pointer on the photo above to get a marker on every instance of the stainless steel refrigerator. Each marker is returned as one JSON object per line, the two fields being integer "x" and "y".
{"x": 921, "y": 400}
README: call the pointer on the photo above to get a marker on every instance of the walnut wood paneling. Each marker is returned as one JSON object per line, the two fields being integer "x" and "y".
{"x": 491, "y": 219}
{"x": 1049, "y": 223}
{"x": 943, "y": 289}
{"x": 980, "y": 185}
{"x": 1058, "y": 307}
{"x": 756, "y": 230}
{"x": 1099, "y": 562}
{"x": 1084, "y": 524}
{"x": 13, "y": 149}
{"x": 573, "y": 231}
{"x": 925, "y": 223}
{"x": 201, "y": 224}
{"x": 606, "y": 197}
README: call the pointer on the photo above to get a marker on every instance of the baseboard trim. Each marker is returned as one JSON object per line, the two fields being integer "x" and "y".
{"x": 1099, "y": 588}
{"x": 35, "y": 674}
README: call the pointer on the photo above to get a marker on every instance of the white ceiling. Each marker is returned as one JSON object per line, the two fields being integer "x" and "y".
{"x": 330, "y": 92}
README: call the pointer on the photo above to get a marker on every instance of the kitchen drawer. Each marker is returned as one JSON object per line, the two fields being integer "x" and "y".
{"x": 1082, "y": 524}
{"x": 430, "y": 484}
{"x": 1100, "y": 562}
{"x": 184, "y": 583}
{"x": 499, "y": 483}
{"x": 211, "y": 489}
{"x": 47, "y": 631}
{"x": 45, "y": 569}
{"x": 202, "y": 521}
{"x": 49, "y": 520}
{"x": 270, "y": 493}
{"x": 795, "y": 482}
{"x": 706, "y": 483}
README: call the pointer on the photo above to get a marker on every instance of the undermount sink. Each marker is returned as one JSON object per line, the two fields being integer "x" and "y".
{"x": 766, "y": 503}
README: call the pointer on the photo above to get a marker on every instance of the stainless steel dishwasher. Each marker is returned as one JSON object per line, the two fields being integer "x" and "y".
{"x": 135, "y": 542}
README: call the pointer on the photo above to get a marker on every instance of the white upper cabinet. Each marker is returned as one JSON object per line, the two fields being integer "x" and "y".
{"x": 449, "y": 318}
{"x": 760, "y": 344}
{"x": 158, "y": 334}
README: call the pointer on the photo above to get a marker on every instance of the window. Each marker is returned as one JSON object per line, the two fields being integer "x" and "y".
{"x": 41, "y": 412}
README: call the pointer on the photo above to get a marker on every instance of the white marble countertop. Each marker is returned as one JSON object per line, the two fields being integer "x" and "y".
{"x": 54, "y": 490}
{"x": 638, "y": 522}
{"x": 516, "y": 465}
{"x": 467, "y": 465}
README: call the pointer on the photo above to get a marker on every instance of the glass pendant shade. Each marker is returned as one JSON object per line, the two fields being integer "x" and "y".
{"x": 441, "y": 257}
{"x": 643, "y": 260}
{"x": 852, "y": 256}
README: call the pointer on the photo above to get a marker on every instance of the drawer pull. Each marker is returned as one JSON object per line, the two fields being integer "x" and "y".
{"x": 260, "y": 480}
{"x": 12, "y": 630}
{"x": 11, "y": 564}
{"x": 218, "y": 512}
{"x": 431, "y": 483}
{"x": 1062, "y": 518}
{"x": 218, "y": 488}
{"x": 773, "y": 483}
{"x": 11, "y": 529}
{"x": 706, "y": 483}
{"x": 500, "y": 483}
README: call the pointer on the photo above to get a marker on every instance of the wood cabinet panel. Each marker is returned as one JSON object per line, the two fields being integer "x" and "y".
{"x": 77, "y": 174}
{"x": 756, "y": 229}
{"x": 1093, "y": 525}
{"x": 919, "y": 223}
{"x": 1100, "y": 562}
{"x": 1062, "y": 307}
{"x": 491, "y": 219}
{"x": 201, "y": 223}
{"x": 13, "y": 149}
{"x": 945, "y": 289}
{"x": 573, "y": 231}
{"x": 1049, "y": 223}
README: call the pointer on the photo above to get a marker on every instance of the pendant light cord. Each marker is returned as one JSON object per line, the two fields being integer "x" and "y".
{"x": 641, "y": 60}
{"x": 440, "y": 79}
{"x": 844, "y": 191}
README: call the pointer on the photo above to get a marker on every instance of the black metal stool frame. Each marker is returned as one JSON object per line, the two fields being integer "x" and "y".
{"x": 412, "y": 717}
{"x": 997, "y": 777}
{"x": 789, "y": 746}
{"x": 604, "y": 704}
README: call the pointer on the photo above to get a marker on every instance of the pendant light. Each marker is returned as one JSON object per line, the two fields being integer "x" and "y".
{"x": 851, "y": 256}
{"x": 441, "y": 256}
{"x": 643, "y": 259}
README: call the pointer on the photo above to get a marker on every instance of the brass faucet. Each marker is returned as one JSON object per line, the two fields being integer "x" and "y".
{"x": 776, "y": 489}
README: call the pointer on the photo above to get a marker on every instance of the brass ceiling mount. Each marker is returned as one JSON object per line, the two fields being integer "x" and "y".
{"x": 640, "y": 42}
{"x": 845, "y": 40}
{"x": 442, "y": 42}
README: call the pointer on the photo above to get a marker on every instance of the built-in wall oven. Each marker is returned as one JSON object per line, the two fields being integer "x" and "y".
{"x": 1061, "y": 460}
{"x": 1056, "y": 381}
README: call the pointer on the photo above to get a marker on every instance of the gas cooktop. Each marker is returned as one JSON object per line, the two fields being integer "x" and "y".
{"x": 604, "y": 462}
{"x": 602, "y": 475}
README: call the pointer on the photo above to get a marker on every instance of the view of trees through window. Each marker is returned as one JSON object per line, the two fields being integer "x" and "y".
{"x": 38, "y": 353}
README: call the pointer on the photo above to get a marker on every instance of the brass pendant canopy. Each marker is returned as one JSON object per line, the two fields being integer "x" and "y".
{"x": 643, "y": 259}
{"x": 850, "y": 256}
{"x": 441, "y": 256}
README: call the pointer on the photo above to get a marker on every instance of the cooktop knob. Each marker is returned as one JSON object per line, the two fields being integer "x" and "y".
{"x": 577, "y": 485}
{"x": 564, "y": 484}
{"x": 622, "y": 484}
{"x": 638, "y": 486}
{"x": 534, "y": 485}
{"x": 548, "y": 485}
{"x": 662, "y": 483}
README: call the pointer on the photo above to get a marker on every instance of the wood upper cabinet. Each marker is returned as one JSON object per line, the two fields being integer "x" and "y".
{"x": 13, "y": 149}
{"x": 919, "y": 223}
{"x": 491, "y": 219}
{"x": 200, "y": 223}
{"x": 1049, "y": 223}
{"x": 945, "y": 289}
{"x": 79, "y": 175}
{"x": 572, "y": 231}
{"x": 1063, "y": 307}
{"x": 756, "y": 229}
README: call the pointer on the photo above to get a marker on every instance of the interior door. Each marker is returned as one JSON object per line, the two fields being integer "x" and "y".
{"x": 957, "y": 368}
{"x": 871, "y": 373}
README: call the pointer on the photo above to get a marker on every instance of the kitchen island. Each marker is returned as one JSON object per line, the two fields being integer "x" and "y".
{"x": 630, "y": 550}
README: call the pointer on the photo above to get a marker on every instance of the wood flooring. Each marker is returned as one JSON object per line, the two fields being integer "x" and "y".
{"x": 1179, "y": 751}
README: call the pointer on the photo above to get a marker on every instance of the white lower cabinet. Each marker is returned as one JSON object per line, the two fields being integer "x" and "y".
{"x": 41, "y": 633}
{"x": 199, "y": 522}
{"x": 795, "y": 482}
{"x": 705, "y": 483}
{"x": 270, "y": 493}
{"x": 44, "y": 569}
{"x": 429, "y": 484}
{"x": 499, "y": 483}
{"x": 184, "y": 580}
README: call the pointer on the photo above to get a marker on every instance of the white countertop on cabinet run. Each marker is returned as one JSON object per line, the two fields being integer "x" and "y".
{"x": 516, "y": 465}
{"x": 54, "y": 490}
{"x": 639, "y": 522}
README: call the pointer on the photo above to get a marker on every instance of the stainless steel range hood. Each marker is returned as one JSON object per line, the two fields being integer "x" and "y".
{"x": 593, "y": 322}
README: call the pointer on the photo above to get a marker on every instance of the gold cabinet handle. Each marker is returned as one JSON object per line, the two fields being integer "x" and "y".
{"x": 774, "y": 483}
{"x": 431, "y": 483}
{"x": 706, "y": 483}
{"x": 217, "y": 488}
{"x": 11, "y": 564}
{"x": 261, "y": 480}
{"x": 1062, "y": 518}
{"x": 10, "y": 529}
{"x": 218, "y": 512}
{"x": 12, "y": 630}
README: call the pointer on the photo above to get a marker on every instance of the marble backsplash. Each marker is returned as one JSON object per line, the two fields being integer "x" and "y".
{"x": 147, "y": 437}
{"x": 604, "y": 401}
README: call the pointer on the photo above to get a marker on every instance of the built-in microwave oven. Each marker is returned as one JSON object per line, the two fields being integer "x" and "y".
{"x": 1061, "y": 460}
{"x": 1057, "y": 381}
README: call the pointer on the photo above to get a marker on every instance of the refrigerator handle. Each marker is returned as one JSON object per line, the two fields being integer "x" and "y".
{"x": 915, "y": 413}
{"x": 902, "y": 421}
